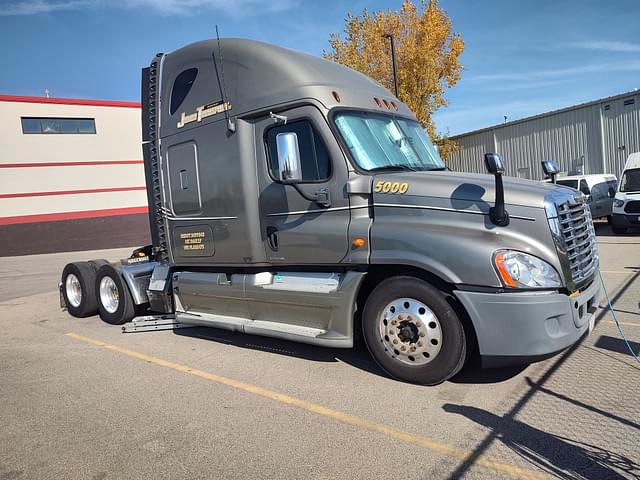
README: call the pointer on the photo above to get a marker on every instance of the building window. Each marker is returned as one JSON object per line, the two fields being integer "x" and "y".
{"x": 629, "y": 101}
{"x": 524, "y": 172}
{"x": 48, "y": 125}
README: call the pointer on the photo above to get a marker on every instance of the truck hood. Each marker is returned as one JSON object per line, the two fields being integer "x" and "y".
{"x": 465, "y": 188}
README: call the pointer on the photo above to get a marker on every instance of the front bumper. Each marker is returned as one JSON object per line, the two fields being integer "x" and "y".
{"x": 519, "y": 328}
{"x": 625, "y": 221}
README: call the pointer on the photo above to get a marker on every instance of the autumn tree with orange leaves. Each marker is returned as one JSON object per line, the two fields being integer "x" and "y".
{"x": 427, "y": 56}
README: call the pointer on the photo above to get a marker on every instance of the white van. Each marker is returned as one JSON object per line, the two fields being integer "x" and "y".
{"x": 626, "y": 205}
{"x": 599, "y": 191}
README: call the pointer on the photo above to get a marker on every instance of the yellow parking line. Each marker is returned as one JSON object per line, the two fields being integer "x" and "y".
{"x": 387, "y": 430}
{"x": 628, "y": 272}
{"x": 626, "y": 324}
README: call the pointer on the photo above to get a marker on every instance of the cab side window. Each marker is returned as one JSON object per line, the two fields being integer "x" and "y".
{"x": 314, "y": 156}
{"x": 600, "y": 191}
{"x": 584, "y": 188}
{"x": 181, "y": 87}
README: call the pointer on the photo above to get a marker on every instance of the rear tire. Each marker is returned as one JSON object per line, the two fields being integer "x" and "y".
{"x": 97, "y": 263}
{"x": 412, "y": 332}
{"x": 78, "y": 280}
{"x": 618, "y": 230}
{"x": 115, "y": 304}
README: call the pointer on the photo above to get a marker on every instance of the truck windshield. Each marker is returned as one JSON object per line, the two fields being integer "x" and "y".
{"x": 630, "y": 181}
{"x": 384, "y": 142}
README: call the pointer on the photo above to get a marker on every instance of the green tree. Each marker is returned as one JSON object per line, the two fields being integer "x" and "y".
{"x": 427, "y": 56}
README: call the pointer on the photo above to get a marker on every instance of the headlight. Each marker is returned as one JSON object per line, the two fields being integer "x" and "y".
{"x": 618, "y": 203}
{"x": 521, "y": 270}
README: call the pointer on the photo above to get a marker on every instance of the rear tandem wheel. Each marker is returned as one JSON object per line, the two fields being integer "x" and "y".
{"x": 115, "y": 303}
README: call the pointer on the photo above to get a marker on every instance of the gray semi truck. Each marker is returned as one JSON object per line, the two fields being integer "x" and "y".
{"x": 293, "y": 197}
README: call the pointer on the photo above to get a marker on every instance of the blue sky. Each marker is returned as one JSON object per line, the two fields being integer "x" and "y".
{"x": 521, "y": 58}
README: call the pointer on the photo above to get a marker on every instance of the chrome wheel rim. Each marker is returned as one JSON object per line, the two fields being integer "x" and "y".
{"x": 410, "y": 332}
{"x": 74, "y": 290}
{"x": 109, "y": 297}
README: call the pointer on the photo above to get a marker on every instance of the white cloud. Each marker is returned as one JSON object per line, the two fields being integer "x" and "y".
{"x": 33, "y": 7}
{"x": 524, "y": 84}
{"x": 623, "y": 66}
{"x": 456, "y": 120}
{"x": 163, "y": 7}
{"x": 607, "y": 46}
{"x": 234, "y": 7}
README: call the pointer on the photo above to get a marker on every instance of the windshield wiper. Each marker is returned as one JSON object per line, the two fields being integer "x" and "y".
{"x": 404, "y": 168}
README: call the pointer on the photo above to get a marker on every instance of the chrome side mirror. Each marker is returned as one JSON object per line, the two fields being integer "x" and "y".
{"x": 289, "y": 167}
{"x": 494, "y": 163}
{"x": 550, "y": 169}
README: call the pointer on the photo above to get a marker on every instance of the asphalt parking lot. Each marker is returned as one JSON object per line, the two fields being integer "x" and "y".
{"x": 79, "y": 399}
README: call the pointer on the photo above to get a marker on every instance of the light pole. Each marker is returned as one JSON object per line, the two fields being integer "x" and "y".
{"x": 393, "y": 62}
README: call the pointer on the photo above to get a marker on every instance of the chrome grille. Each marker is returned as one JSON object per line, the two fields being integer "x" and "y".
{"x": 579, "y": 238}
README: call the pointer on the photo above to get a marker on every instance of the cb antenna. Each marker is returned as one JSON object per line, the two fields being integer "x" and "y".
{"x": 223, "y": 88}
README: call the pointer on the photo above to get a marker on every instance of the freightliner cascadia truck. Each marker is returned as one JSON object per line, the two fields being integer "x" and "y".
{"x": 292, "y": 197}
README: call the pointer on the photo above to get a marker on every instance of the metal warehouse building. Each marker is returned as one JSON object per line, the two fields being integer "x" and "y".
{"x": 594, "y": 137}
{"x": 71, "y": 175}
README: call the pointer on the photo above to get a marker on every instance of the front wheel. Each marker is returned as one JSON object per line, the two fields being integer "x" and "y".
{"x": 412, "y": 332}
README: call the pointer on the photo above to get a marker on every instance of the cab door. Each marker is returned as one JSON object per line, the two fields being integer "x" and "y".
{"x": 594, "y": 206}
{"x": 306, "y": 222}
{"x": 601, "y": 199}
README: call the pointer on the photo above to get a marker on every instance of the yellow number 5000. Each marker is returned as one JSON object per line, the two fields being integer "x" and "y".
{"x": 391, "y": 187}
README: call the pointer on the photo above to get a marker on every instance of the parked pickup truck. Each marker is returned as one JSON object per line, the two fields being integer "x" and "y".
{"x": 307, "y": 203}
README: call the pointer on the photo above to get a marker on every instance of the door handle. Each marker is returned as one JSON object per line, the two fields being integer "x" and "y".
{"x": 272, "y": 238}
{"x": 184, "y": 183}
{"x": 323, "y": 197}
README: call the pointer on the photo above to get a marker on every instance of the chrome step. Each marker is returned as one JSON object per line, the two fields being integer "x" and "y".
{"x": 147, "y": 323}
{"x": 285, "y": 331}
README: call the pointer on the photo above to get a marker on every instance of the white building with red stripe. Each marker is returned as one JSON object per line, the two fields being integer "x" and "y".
{"x": 71, "y": 175}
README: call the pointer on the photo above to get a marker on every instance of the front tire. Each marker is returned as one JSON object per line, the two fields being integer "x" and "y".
{"x": 412, "y": 332}
{"x": 115, "y": 304}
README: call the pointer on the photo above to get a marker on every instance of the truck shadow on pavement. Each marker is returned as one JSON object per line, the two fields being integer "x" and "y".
{"x": 604, "y": 230}
{"x": 357, "y": 357}
{"x": 557, "y": 455}
{"x": 617, "y": 345}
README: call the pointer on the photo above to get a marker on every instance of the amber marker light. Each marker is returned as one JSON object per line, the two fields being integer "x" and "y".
{"x": 503, "y": 270}
{"x": 358, "y": 242}
{"x": 336, "y": 96}
{"x": 378, "y": 102}
{"x": 386, "y": 103}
